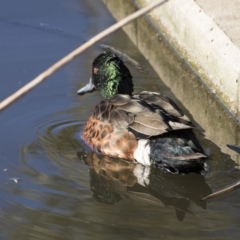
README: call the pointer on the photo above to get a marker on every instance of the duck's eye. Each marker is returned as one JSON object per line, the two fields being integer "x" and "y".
{"x": 95, "y": 70}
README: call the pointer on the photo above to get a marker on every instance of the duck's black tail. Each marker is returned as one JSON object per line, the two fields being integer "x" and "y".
{"x": 178, "y": 152}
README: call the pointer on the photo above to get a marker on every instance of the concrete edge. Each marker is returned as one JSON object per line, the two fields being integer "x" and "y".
{"x": 204, "y": 45}
{"x": 196, "y": 39}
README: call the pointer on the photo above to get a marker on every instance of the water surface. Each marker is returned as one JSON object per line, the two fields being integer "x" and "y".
{"x": 52, "y": 186}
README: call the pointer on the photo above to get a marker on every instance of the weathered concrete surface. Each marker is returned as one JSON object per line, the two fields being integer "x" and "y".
{"x": 207, "y": 34}
{"x": 157, "y": 39}
{"x": 199, "y": 38}
{"x": 226, "y": 14}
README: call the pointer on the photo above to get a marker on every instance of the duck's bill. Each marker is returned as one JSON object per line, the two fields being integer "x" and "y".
{"x": 235, "y": 148}
{"x": 88, "y": 88}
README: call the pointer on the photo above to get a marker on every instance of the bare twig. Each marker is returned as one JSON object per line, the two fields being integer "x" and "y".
{"x": 223, "y": 191}
{"x": 78, "y": 51}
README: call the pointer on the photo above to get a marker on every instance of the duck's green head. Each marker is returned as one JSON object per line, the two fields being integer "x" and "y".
{"x": 110, "y": 76}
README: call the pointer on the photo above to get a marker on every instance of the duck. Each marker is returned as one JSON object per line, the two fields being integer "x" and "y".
{"x": 147, "y": 128}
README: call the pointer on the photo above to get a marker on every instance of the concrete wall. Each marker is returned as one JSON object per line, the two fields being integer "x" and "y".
{"x": 204, "y": 44}
{"x": 159, "y": 37}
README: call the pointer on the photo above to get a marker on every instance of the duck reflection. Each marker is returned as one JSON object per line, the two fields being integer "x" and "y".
{"x": 113, "y": 179}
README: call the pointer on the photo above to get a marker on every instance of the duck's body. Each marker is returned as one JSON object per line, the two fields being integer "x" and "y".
{"x": 148, "y": 128}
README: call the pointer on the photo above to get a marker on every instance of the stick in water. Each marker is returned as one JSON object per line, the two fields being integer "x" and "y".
{"x": 78, "y": 51}
{"x": 223, "y": 191}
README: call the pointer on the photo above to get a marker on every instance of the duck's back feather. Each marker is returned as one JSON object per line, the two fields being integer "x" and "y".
{"x": 148, "y": 114}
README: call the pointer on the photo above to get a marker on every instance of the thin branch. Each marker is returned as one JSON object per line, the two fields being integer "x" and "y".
{"x": 78, "y": 51}
{"x": 223, "y": 191}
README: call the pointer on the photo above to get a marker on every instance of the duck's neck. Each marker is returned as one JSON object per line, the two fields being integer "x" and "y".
{"x": 117, "y": 85}
{"x": 126, "y": 87}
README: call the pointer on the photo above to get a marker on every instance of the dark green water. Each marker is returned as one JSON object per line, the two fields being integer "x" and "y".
{"x": 64, "y": 191}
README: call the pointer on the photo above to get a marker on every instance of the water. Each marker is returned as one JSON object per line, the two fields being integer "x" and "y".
{"x": 52, "y": 186}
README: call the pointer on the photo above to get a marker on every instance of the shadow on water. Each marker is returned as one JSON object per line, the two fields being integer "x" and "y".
{"x": 112, "y": 180}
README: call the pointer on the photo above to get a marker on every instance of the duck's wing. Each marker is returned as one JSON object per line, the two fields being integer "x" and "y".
{"x": 168, "y": 109}
{"x": 139, "y": 116}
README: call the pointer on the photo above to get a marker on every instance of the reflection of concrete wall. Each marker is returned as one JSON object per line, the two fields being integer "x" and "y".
{"x": 214, "y": 61}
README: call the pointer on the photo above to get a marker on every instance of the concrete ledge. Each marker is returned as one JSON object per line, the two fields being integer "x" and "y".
{"x": 205, "y": 46}
{"x": 199, "y": 40}
{"x": 181, "y": 71}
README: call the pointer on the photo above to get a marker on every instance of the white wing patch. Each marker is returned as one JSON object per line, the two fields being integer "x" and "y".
{"x": 142, "y": 153}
